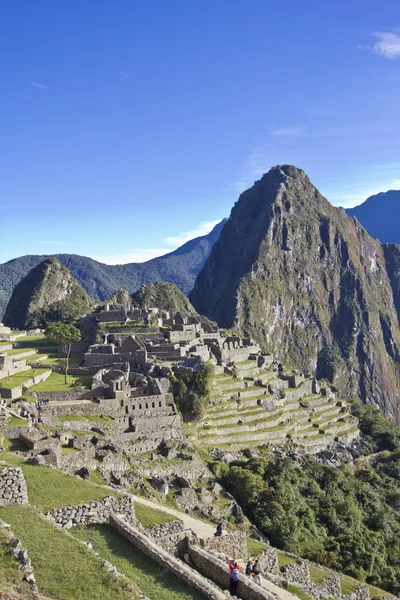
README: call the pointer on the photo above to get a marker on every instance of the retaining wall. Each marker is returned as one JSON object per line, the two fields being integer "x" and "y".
{"x": 94, "y": 512}
{"x": 233, "y": 544}
{"x": 218, "y": 571}
{"x": 165, "y": 560}
{"x": 12, "y": 487}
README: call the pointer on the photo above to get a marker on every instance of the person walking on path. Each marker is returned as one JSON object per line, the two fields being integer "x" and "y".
{"x": 234, "y": 577}
{"x": 248, "y": 569}
{"x": 257, "y": 572}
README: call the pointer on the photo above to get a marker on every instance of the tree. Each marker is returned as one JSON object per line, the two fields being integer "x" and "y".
{"x": 63, "y": 335}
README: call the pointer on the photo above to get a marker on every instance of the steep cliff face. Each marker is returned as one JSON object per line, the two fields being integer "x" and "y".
{"x": 47, "y": 293}
{"x": 308, "y": 282}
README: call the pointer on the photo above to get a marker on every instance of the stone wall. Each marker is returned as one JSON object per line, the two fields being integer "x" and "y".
{"x": 167, "y": 535}
{"x": 166, "y": 561}
{"x": 12, "y": 487}
{"x": 66, "y": 395}
{"x": 297, "y": 573}
{"x": 233, "y": 545}
{"x": 269, "y": 562}
{"x": 16, "y": 392}
{"x": 218, "y": 571}
{"x": 93, "y": 512}
{"x": 12, "y": 433}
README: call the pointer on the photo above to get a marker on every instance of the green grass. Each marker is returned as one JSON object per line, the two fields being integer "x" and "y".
{"x": 17, "y": 351}
{"x": 17, "y": 422}
{"x": 298, "y": 592}
{"x": 92, "y": 418}
{"x": 20, "y": 378}
{"x": 377, "y": 592}
{"x": 49, "y": 488}
{"x": 95, "y": 477}
{"x": 284, "y": 559}
{"x": 318, "y": 574}
{"x": 68, "y": 450}
{"x": 255, "y": 548}
{"x": 64, "y": 568}
{"x": 10, "y": 575}
{"x": 56, "y": 383}
{"x": 149, "y": 516}
{"x": 154, "y": 582}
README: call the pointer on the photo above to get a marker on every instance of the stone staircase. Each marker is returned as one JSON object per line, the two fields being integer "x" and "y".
{"x": 258, "y": 407}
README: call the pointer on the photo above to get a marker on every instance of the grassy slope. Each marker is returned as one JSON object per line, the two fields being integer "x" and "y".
{"x": 149, "y": 516}
{"x": 10, "y": 575}
{"x": 64, "y": 568}
{"x": 56, "y": 383}
{"x": 49, "y": 488}
{"x": 154, "y": 582}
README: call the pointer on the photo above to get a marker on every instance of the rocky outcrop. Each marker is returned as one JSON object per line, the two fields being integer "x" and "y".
{"x": 164, "y": 295}
{"x": 309, "y": 284}
{"x": 47, "y": 293}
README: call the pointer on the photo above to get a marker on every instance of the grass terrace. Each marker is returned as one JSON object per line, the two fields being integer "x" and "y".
{"x": 148, "y": 516}
{"x": 10, "y": 575}
{"x": 56, "y": 383}
{"x": 64, "y": 568}
{"x": 91, "y": 418}
{"x": 136, "y": 566}
{"x": 49, "y": 488}
{"x": 20, "y": 378}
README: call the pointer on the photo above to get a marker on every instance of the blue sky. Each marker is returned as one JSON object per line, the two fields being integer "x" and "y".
{"x": 128, "y": 127}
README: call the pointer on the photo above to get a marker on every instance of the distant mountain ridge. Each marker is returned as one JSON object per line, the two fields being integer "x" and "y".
{"x": 380, "y": 215}
{"x": 100, "y": 280}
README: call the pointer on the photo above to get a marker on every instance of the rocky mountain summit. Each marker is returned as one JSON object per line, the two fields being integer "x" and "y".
{"x": 47, "y": 293}
{"x": 380, "y": 215}
{"x": 310, "y": 285}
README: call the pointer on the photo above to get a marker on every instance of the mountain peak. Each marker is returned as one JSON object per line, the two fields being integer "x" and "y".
{"x": 47, "y": 293}
{"x": 299, "y": 276}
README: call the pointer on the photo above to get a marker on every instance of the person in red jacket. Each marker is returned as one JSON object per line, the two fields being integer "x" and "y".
{"x": 234, "y": 577}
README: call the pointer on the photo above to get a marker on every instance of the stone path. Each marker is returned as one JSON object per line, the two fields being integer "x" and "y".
{"x": 201, "y": 528}
{"x": 205, "y": 530}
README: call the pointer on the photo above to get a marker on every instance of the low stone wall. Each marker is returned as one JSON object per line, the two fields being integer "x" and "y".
{"x": 75, "y": 460}
{"x": 218, "y": 571}
{"x": 12, "y": 487}
{"x": 94, "y": 512}
{"x": 165, "y": 560}
{"x": 12, "y": 433}
{"x": 233, "y": 545}
{"x": 168, "y": 535}
{"x": 65, "y": 396}
{"x": 16, "y": 392}
{"x": 269, "y": 562}
{"x": 297, "y": 573}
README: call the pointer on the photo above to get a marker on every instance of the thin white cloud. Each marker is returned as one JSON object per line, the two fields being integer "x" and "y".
{"x": 350, "y": 199}
{"x": 135, "y": 255}
{"x": 48, "y": 242}
{"x": 387, "y": 45}
{"x": 39, "y": 85}
{"x": 183, "y": 237}
{"x": 124, "y": 75}
{"x": 297, "y": 130}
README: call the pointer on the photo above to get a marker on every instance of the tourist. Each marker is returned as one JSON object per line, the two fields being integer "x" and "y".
{"x": 53, "y": 412}
{"x": 219, "y": 530}
{"x": 257, "y": 572}
{"x": 249, "y": 569}
{"x": 234, "y": 579}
